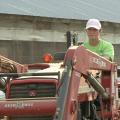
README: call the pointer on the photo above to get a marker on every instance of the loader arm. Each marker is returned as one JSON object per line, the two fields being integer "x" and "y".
{"x": 76, "y": 65}
{"x": 85, "y": 60}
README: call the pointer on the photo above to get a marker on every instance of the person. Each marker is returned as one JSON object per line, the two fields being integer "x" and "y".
{"x": 101, "y": 47}
{"x": 95, "y": 43}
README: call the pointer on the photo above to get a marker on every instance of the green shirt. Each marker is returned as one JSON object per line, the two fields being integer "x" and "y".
{"x": 104, "y": 48}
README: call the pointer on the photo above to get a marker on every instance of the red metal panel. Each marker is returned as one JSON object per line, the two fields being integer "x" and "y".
{"x": 28, "y": 107}
{"x": 85, "y": 60}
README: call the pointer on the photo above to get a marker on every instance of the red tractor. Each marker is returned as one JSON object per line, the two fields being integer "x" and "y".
{"x": 82, "y": 87}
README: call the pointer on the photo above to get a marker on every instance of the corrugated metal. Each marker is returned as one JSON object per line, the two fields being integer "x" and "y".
{"x": 105, "y": 10}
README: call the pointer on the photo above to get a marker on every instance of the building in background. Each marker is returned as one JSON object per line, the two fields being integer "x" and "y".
{"x": 28, "y": 29}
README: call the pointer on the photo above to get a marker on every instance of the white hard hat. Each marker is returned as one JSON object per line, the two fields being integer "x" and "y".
{"x": 94, "y": 23}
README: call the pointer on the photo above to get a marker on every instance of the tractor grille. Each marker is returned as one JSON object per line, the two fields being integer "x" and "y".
{"x": 32, "y": 118}
{"x": 32, "y": 90}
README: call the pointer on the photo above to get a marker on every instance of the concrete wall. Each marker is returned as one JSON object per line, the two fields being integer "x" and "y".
{"x": 25, "y": 39}
{"x": 29, "y": 51}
